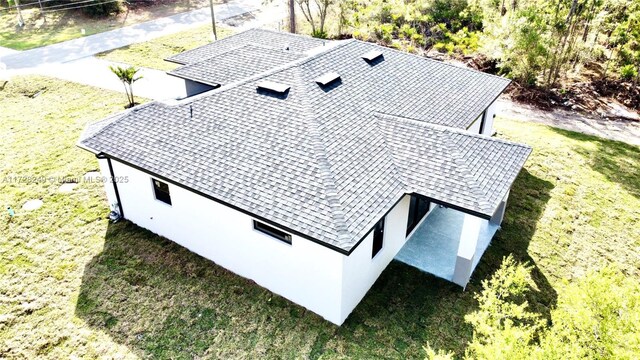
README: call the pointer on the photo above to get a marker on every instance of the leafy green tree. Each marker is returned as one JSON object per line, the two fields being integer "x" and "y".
{"x": 315, "y": 12}
{"x": 597, "y": 317}
{"x": 128, "y": 76}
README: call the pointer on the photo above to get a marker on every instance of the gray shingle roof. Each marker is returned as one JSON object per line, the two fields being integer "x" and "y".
{"x": 469, "y": 170}
{"x": 274, "y": 39}
{"x": 236, "y": 64}
{"x": 327, "y": 161}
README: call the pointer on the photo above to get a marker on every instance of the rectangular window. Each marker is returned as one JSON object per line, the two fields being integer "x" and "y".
{"x": 161, "y": 191}
{"x": 271, "y": 231}
{"x": 378, "y": 236}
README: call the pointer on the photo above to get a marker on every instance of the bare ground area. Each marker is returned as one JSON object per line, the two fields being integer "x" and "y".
{"x": 615, "y": 128}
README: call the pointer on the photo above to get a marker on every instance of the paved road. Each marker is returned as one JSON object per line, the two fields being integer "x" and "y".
{"x": 6, "y": 51}
{"x": 94, "y": 44}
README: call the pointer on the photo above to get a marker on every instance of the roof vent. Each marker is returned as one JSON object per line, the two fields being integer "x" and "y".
{"x": 273, "y": 87}
{"x": 372, "y": 55}
{"x": 328, "y": 78}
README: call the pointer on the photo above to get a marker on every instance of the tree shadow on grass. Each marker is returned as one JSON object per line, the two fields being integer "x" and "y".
{"x": 162, "y": 301}
{"x": 527, "y": 201}
{"x": 417, "y": 308}
{"x": 617, "y": 161}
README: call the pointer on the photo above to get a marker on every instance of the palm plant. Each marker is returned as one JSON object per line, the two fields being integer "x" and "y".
{"x": 128, "y": 77}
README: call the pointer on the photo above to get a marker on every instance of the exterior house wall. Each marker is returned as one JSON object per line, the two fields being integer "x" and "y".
{"x": 360, "y": 271}
{"x": 490, "y": 113}
{"x": 488, "y": 121}
{"x": 195, "y": 88}
{"x": 108, "y": 187}
{"x": 304, "y": 272}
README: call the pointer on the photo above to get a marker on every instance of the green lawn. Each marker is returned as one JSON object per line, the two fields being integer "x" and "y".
{"x": 71, "y": 284}
{"x": 66, "y": 25}
{"x": 151, "y": 54}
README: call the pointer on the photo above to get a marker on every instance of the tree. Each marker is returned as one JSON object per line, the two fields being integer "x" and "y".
{"x": 597, "y": 317}
{"x": 316, "y": 14}
{"x": 128, "y": 77}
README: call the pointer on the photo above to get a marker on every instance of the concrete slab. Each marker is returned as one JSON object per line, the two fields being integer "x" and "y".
{"x": 433, "y": 246}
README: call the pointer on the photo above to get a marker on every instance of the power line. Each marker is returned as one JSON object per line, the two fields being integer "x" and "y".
{"x": 68, "y": 4}
{"x": 83, "y": 6}
{"x": 35, "y": 4}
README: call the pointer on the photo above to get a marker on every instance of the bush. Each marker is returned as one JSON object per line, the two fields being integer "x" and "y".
{"x": 320, "y": 34}
{"x": 598, "y": 317}
{"x": 102, "y": 9}
{"x": 628, "y": 72}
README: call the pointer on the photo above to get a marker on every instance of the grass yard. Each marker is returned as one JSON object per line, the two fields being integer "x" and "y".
{"x": 71, "y": 284}
{"x": 151, "y": 54}
{"x": 66, "y": 25}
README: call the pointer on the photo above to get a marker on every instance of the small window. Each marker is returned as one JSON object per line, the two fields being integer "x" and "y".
{"x": 271, "y": 231}
{"x": 161, "y": 191}
{"x": 378, "y": 236}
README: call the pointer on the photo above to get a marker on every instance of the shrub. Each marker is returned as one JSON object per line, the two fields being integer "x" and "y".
{"x": 598, "y": 317}
{"x": 102, "y": 9}
{"x": 628, "y": 72}
{"x": 320, "y": 34}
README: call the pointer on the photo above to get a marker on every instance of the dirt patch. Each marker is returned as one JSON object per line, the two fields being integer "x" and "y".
{"x": 587, "y": 94}
{"x": 619, "y": 129}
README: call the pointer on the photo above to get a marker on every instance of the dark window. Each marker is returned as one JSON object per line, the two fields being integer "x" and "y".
{"x": 161, "y": 190}
{"x": 271, "y": 231}
{"x": 378, "y": 236}
{"x": 418, "y": 208}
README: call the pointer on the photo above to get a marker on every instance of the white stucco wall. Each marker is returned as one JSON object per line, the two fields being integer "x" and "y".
{"x": 488, "y": 125}
{"x": 108, "y": 187}
{"x": 304, "y": 272}
{"x": 360, "y": 271}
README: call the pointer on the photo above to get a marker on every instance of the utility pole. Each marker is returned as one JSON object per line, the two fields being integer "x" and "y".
{"x": 292, "y": 16}
{"x": 21, "y": 21}
{"x": 213, "y": 21}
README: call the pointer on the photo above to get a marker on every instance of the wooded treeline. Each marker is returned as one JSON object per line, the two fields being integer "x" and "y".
{"x": 535, "y": 42}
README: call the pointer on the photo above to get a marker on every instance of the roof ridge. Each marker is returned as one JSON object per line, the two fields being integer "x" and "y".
{"x": 110, "y": 120}
{"x": 326, "y": 175}
{"x": 467, "y": 176}
{"x": 403, "y": 178}
{"x": 447, "y": 128}
{"x": 435, "y": 61}
{"x": 226, "y": 39}
{"x": 444, "y": 135}
{"x": 280, "y": 52}
{"x": 336, "y": 45}
{"x": 189, "y": 100}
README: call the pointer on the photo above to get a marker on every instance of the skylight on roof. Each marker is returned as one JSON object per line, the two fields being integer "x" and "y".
{"x": 273, "y": 86}
{"x": 328, "y": 78}
{"x": 372, "y": 55}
